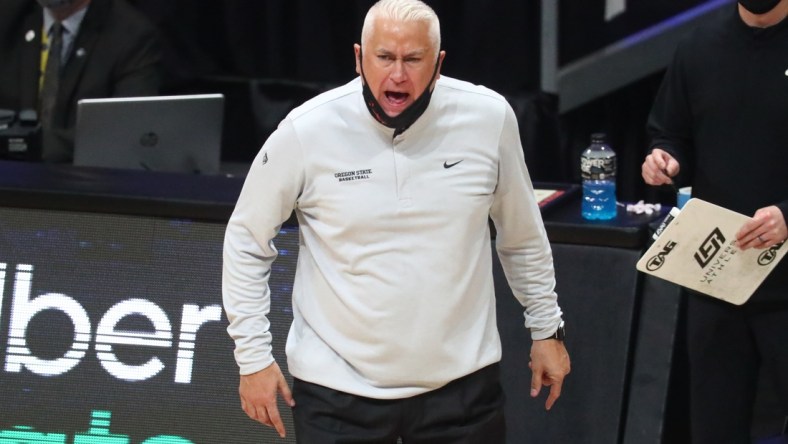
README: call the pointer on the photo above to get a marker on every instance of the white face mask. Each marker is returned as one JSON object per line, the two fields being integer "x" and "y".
{"x": 54, "y": 4}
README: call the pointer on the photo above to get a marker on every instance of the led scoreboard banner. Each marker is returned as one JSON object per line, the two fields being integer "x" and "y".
{"x": 112, "y": 331}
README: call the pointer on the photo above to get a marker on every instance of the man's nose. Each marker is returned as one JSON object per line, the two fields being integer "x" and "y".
{"x": 398, "y": 72}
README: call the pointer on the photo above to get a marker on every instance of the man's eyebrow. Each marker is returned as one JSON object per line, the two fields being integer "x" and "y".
{"x": 414, "y": 53}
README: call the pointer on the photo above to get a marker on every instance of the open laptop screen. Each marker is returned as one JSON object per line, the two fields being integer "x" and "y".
{"x": 162, "y": 133}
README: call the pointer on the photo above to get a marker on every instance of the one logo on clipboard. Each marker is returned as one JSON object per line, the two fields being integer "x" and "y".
{"x": 658, "y": 261}
{"x": 768, "y": 256}
{"x": 709, "y": 248}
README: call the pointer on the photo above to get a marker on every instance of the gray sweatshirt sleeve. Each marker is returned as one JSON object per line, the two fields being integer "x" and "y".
{"x": 521, "y": 239}
{"x": 267, "y": 199}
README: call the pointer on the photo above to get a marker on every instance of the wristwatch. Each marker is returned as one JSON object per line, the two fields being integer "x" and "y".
{"x": 560, "y": 333}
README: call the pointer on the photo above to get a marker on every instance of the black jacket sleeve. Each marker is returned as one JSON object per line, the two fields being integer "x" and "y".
{"x": 670, "y": 120}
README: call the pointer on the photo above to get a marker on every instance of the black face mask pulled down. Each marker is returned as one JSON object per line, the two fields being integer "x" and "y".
{"x": 54, "y": 4}
{"x": 405, "y": 119}
{"x": 759, "y": 6}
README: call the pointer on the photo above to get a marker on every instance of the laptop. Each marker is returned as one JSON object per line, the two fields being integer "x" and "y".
{"x": 162, "y": 133}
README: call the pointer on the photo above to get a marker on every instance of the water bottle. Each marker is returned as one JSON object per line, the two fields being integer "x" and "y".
{"x": 598, "y": 171}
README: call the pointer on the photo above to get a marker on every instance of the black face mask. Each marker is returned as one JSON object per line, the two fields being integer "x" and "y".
{"x": 54, "y": 4}
{"x": 759, "y": 6}
{"x": 405, "y": 119}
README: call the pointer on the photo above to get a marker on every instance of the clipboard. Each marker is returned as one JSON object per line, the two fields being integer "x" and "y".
{"x": 697, "y": 249}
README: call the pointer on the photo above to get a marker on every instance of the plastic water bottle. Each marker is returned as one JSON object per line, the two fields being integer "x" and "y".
{"x": 598, "y": 171}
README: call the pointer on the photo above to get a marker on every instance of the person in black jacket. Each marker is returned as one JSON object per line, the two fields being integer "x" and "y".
{"x": 109, "y": 50}
{"x": 718, "y": 124}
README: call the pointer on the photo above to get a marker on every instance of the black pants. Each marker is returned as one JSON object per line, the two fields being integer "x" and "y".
{"x": 468, "y": 410}
{"x": 727, "y": 346}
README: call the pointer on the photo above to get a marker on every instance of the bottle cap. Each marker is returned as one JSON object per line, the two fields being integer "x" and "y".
{"x": 598, "y": 137}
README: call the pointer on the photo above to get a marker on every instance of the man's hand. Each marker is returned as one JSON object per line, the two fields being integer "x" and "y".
{"x": 765, "y": 229}
{"x": 258, "y": 396}
{"x": 549, "y": 365}
{"x": 659, "y": 168}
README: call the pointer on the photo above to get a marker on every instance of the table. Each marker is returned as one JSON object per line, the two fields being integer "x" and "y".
{"x": 98, "y": 237}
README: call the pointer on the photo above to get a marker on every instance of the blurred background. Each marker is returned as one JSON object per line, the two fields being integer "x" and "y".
{"x": 569, "y": 68}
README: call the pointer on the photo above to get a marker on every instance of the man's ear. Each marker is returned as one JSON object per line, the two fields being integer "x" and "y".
{"x": 441, "y": 56}
{"x": 357, "y": 51}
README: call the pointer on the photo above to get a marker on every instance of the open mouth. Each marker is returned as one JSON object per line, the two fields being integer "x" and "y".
{"x": 396, "y": 98}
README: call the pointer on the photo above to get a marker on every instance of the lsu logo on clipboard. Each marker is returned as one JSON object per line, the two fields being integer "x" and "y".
{"x": 710, "y": 247}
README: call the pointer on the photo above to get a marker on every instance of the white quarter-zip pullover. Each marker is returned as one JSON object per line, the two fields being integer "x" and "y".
{"x": 393, "y": 293}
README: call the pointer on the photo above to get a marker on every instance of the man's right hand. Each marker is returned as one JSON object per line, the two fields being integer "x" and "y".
{"x": 258, "y": 396}
{"x": 659, "y": 168}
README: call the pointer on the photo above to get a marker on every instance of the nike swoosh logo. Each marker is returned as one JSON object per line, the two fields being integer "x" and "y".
{"x": 448, "y": 165}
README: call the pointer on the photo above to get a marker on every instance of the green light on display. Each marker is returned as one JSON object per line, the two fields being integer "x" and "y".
{"x": 26, "y": 434}
{"x": 98, "y": 433}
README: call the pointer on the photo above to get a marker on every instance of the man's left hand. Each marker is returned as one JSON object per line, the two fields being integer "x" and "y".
{"x": 765, "y": 229}
{"x": 549, "y": 366}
